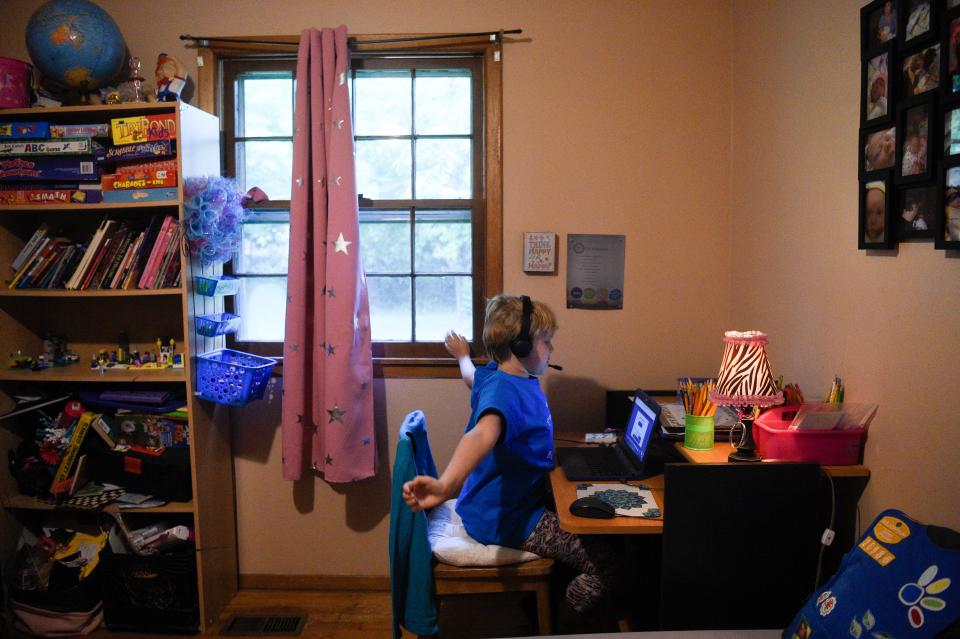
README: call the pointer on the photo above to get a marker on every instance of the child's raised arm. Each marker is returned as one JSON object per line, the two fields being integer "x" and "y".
{"x": 459, "y": 348}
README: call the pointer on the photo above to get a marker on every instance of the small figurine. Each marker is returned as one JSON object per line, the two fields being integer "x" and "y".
{"x": 171, "y": 78}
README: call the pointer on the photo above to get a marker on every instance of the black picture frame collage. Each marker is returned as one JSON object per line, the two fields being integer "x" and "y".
{"x": 909, "y": 181}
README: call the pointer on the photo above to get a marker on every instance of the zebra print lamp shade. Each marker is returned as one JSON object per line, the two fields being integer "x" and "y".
{"x": 745, "y": 378}
{"x": 745, "y": 382}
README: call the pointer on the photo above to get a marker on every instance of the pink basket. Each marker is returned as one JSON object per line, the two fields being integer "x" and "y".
{"x": 827, "y": 447}
{"x": 14, "y": 83}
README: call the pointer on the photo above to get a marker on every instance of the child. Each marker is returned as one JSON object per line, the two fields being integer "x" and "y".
{"x": 502, "y": 461}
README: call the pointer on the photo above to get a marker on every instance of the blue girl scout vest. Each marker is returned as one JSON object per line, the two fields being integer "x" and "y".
{"x": 896, "y": 583}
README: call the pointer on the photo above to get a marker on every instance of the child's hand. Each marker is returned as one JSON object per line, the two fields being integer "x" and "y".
{"x": 423, "y": 493}
{"x": 457, "y": 345}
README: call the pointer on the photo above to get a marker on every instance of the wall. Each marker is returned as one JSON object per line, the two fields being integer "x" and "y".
{"x": 886, "y": 321}
{"x": 616, "y": 120}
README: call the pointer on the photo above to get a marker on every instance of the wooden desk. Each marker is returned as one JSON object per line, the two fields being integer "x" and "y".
{"x": 718, "y": 455}
{"x": 565, "y": 492}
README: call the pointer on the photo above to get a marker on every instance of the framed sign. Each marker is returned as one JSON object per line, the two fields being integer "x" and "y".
{"x": 595, "y": 271}
{"x": 540, "y": 252}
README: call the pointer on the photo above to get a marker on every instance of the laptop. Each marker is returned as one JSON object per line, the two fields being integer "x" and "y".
{"x": 627, "y": 459}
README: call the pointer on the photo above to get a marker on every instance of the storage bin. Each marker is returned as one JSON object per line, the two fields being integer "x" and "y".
{"x": 828, "y": 447}
{"x": 232, "y": 377}
{"x": 215, "y": 285}
{"x": 217, "y": 324}
{"x": 156, "y": 593}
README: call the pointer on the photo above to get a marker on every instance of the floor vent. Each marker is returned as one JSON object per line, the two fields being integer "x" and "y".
{"x": 256, "y": 625}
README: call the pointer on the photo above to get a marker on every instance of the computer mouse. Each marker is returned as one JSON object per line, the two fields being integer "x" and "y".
{"x": 592, "y": 507}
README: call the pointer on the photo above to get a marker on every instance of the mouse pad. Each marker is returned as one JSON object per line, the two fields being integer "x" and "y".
{"x": 629, "y": 501}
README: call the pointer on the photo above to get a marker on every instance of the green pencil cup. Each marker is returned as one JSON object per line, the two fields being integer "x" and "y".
{"x": 698, "y": 432}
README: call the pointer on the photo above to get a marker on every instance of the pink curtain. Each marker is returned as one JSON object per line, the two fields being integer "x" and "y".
{"x": 327, "y": 412}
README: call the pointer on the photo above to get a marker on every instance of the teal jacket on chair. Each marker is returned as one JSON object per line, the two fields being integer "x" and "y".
{"x": 411, "y": 574}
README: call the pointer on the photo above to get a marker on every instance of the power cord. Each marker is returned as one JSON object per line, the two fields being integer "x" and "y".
{"x": 827, "y": 538}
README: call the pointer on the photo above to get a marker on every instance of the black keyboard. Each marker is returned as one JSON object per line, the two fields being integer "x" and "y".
{"x": 604, "y": 460}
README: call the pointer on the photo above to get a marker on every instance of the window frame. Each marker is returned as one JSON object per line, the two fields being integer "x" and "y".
{"x": 408, "y": 360}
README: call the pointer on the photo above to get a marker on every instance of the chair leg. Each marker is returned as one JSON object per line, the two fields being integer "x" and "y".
{"x": 543, "y": 609}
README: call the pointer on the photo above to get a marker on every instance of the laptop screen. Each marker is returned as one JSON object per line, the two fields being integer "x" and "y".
{"x": 643, "y": 418}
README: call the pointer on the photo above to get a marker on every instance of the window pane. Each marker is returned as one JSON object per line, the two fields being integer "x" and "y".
{"x": 382, "y": 103}
{"x": 383, "y": 169}
{"x": 263, "y": 308}
{"x": 443, "y": 169}
{"x": 442, "y": 102}
{"x": 264, "y": 248}
{"x": 443, "y": 242}
{"x": 267, "y": 108}
{"x": 385, "y": 241}
{"x": 444, "y": 304}
{"x": 391, "y": 319}
{"x": 268, "y": 165}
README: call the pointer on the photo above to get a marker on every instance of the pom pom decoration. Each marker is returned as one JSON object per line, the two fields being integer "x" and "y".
{"x": 213, "y": 217}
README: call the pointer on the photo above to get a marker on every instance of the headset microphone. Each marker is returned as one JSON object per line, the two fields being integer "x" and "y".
{"x": 555, "y": 366}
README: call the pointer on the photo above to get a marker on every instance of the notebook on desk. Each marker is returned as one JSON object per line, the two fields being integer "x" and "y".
{"x": 630, "y": 458}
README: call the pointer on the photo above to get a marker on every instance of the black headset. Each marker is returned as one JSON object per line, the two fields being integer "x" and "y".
{"x": 522, "y": 344}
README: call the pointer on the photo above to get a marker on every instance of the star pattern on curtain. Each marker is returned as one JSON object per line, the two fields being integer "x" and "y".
{"x": 340, "y": 246}
{"x": 336, "y": 414}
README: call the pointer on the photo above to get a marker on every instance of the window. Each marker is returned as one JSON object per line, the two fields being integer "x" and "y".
{"x": 427, "y": 166}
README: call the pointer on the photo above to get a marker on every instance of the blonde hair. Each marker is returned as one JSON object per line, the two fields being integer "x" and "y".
{"x": 503, "y": 320}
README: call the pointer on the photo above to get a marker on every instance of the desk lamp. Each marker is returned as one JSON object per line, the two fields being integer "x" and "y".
{"x": 746, "y": 384}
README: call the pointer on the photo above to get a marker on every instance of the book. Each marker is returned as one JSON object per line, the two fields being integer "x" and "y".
{"x": 20, "y": 274}
{"x": 129, "y": 262}
{"x": 156, "y": 252}
{"x": 26, "y": 253}
{"x": 105, "y": 428}
{"x": 143, "y": 251}
{"x": 73, "y": 450}
{"x": 92, "y": 246}
{"x": 97, "y": 263}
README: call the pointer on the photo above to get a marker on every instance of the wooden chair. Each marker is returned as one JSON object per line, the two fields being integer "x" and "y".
{"x": 531, "y": 576}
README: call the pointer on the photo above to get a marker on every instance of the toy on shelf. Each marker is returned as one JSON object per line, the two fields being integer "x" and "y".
{"x": 165, "y": 357}
{"x": 55, "y": 353}
{"x": 171, "y": 78}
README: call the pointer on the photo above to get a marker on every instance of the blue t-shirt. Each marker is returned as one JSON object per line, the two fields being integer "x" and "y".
{"x": 503, "y": 498}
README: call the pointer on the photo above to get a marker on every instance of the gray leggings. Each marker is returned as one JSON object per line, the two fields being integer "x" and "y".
{"x": 595, "y": 558}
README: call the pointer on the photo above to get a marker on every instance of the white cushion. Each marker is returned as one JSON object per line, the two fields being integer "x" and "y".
{"x": 452, "y": 545}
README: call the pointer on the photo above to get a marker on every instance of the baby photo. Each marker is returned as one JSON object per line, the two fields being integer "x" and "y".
{"x": 951, "y": 132}
{"x": 879, "y": 149}
{"x": 953, "y": 59}
{"x": 951, "y": 204}
{"x": 921, "y": 71}
{"x": 917, "y": 210}
{"x": 918, "y": 19}
{"x": 915, "y": 141}
{"x": 882, "y": 24}
{"x": 877, "y": 87}
{"x": 874, "y": 211}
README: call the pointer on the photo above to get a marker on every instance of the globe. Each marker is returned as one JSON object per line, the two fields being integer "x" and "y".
{"x": 75, "y": 44}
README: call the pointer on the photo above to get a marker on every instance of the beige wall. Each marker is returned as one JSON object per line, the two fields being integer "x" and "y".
{"x": 886, "y": 321}
{"x": 624, "y": 117}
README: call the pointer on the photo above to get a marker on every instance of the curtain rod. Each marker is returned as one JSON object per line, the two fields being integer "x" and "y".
{"x": 353, "y": 41}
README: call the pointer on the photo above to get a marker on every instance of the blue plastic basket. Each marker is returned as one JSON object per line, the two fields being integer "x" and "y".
{"x": 232, "y": 377}
{"x": 217, "y": 324}
{"x": 212, "y": 285}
